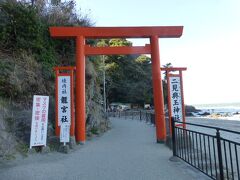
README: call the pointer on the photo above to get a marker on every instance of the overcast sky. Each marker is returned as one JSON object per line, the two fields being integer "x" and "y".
{"x": 209, "y": 47}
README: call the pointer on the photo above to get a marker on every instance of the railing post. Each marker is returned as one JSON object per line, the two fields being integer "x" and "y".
{"x": 219, "y": 150}
{"x": 107, "y": 114}
{"x": 140, "y": 115}
{"x": 146, "y": 118}
{"x": 153, "y": 119}
{"x": 173, "y": 136}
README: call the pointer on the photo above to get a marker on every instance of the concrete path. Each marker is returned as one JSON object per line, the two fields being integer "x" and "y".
{"x": 127, "y": 152}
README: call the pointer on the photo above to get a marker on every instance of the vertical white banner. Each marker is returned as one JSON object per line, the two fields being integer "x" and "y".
{"x": 176, "y": 98}
{"x": 64, "y": 100}
{"x": 64, "y": 107}
{"x": 39, "y": 121}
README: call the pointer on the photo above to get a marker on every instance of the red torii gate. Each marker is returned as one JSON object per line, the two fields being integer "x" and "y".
{"x": 82, "y": 33}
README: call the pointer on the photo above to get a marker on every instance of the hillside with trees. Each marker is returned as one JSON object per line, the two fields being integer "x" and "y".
{"x": 28, "y": 55}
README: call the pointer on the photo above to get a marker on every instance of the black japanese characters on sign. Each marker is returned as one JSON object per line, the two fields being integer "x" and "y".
{"x": 176, "y": 99}
{"x": 64, "y": 101}
{"x": 64, "y": 107}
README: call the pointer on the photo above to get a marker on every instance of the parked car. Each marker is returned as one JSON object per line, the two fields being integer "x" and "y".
{"x": 123, "y": 108}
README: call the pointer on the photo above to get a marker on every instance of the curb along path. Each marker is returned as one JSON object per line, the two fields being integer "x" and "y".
{"x": 127, "y": 152}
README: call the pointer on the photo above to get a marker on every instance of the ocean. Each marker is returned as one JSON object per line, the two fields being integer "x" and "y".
{"x": 221, "y": 108}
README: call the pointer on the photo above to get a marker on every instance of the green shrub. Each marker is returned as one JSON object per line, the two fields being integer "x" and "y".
{"x": 20, "y": 27}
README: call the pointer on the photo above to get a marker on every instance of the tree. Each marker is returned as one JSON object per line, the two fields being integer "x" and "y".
{"x": 128, "y": 77}
{"x": 164, "y": 82}
{"x": 24, "y": 33}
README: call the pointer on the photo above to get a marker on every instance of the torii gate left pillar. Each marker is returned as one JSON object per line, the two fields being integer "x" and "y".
{"x": 153, "y": 33}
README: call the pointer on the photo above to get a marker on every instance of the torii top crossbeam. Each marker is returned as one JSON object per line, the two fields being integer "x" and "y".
{"x": 118, "y": 32}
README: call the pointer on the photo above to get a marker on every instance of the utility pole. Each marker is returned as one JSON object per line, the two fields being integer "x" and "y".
{"x": 104, "y": 84}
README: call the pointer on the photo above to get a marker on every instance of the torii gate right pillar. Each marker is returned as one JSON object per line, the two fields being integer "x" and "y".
{"x": 157, "y": 91}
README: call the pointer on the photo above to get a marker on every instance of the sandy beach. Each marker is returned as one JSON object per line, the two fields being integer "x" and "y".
{"x": 233, "y": 125}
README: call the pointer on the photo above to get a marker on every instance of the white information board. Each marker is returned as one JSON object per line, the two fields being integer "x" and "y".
{"x": 65, "y": 133}
{"x": 176, "y": 98}
{"x": 39, "y": 121}
{"x": 64, "y": 107}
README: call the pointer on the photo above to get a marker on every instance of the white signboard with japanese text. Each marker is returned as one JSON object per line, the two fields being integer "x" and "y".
{"x": 64, "y": 107}
{"x": 39, "y": 121}
{"x": 65, "y": 133}
{"x": 64, "y": 100}
{"x": 176, "y": 98}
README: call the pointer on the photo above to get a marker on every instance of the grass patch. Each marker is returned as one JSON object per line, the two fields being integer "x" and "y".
{"x": 22, "y": 148}
{"x": 9, "y": 157}
{"x": 94, "y": 130}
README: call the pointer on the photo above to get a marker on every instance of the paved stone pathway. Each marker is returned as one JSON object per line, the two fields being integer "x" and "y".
{"x": 127, "y": 152}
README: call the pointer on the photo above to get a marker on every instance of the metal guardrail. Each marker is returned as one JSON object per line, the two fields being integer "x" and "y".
{"x": 211, "y": 153}
{"x": 147, "y": 116}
